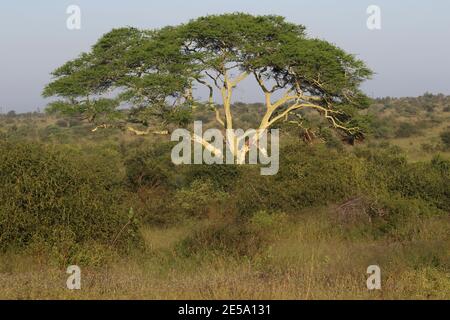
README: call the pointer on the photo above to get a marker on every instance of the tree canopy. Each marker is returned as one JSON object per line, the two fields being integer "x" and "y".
{"x": 154, "y": 74}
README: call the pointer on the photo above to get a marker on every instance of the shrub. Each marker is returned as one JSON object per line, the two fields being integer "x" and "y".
{"x": 54, "y": 132}
{"x": 199, "y": 199}
{"x": 55, "y": 196}
{"x": 308, "y": 176}
{"x": 389, "y": 172}
{"x": 401, "y": 218}
{"x": 427, "y": 181}
{"x": 331, "y": 141}
{"x": 388, "y": 216}
{"x": 223, "y": 177}
{"x": 314, "y": 176}
{"x": 154, "y": 208}
{"x": 150, "y": 166}
{"x": 445, "y": 138}
{"x": 62, "y": 123}
{"x": 406, "y": 130}
{"x": 74, "y": 122}
{"x": 251, "y": 120}
{"x": 236, "y": 237}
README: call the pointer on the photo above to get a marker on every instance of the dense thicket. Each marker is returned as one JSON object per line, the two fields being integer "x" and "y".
{"x": 60, "y": 198}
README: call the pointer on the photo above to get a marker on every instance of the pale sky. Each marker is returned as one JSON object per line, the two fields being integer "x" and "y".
{"x": 410, "y": 54}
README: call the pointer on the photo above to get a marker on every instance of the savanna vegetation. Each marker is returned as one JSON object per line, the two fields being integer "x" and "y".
{"x": 91, "y": 182}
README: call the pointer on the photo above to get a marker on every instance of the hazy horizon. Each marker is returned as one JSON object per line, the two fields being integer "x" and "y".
{"x": 409, "y": 54}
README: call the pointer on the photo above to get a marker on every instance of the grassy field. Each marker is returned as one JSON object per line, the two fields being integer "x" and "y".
{"x": 421, "y": 141}
{"x": 413, "y": 146}
{"x": 316, "y": 256}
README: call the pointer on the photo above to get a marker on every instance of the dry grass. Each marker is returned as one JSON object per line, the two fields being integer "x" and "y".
{"x": 412, "y": 146}
{"x": 315, "y": 258}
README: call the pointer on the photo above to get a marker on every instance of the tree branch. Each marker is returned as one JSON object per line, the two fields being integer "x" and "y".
{"x": 211, "y": 101}
{"x": 146, "y": 132}
{"x": 238, "y": 79}
{"x": 207, "y": 145}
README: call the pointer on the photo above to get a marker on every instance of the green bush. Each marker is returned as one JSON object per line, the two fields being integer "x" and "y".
{"x": 223, "y": 177}
{"x": 199, "y": 199}
{"x": 406, "y": 130}
{"x": 399, "y": 218}
{"x": 150, "y": 166}
{"x": 331, "y": 140}
{"x": 154, "y": 206}
{"x": 314, "y": 176}
{"x": 56, "y": 196}
{"x": 62, "y": 123}
{"x": 445, "y": 138}
{"x": 74, "y": 122}
{"x": 308, "y": 176}
{"x": 388, "y": 170}
{"x": 426, "y": 181}
{"x": 236, "y": 237}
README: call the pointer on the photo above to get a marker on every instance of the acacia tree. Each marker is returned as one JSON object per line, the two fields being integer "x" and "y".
{"x": 156, "y": 73}
{"x": 302, "y": 72}
{"x": 143, "y": 70}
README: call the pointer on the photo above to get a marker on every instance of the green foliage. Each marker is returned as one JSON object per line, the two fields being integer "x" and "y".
{"x": 236, "y": 237}
{"x": 388, "y": 217}
{"x": 199, "y": 199}
{"x": 331, "y": 141}
{"x": 150, "y": 166}
{"x": 81, "y": 201}
{"x": 130, "y": 63}
{"x": 445, "y": 138}
{"x": 223, "y": 177}
{"x": 49, "y": 194}
{"x": 308, "y": 176}
{"x": 62, "y": 123}
{"x": 155, "y": 71}
{"x": 315, "y": 176}
{"x": 276, "y": 51}
{"x": 427, "y": 181}
{"x": 401, "y": 217}
{"x": 407, "y": 130}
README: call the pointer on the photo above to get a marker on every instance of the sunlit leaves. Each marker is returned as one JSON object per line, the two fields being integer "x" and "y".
{"x": 154, "y": 71}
